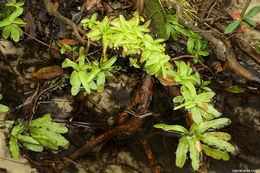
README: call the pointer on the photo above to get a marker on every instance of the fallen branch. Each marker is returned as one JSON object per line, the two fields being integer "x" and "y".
{"x": 52, "y": 11}
{"x": 149, "y": 155}
{"x": 140, "y": 102}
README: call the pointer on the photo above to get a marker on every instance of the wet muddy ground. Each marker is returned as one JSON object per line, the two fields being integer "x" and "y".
{"x": 123, "y": 153}
{"x": 92, "y": 115}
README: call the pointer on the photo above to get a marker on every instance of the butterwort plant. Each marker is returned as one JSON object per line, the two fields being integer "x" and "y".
{"x": 91, "y": 75}
{"x": 201, "y": 137}
{"x": 42, "y": 132}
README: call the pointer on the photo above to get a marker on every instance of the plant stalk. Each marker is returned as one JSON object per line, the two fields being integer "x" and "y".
{"x": 245, "y": 8}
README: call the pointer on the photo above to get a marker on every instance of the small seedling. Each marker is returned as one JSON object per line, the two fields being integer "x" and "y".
{"x": 244, "y": 21}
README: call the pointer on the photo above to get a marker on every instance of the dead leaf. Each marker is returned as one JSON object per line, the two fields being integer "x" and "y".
{"x": 56, "y": 5}
{"x": 168, "y": 81}
{"x": 48, "y": 72}
{"x": 90, "y": 3}
{"x": 67, "y": 41}
{"x": 219, "y": 69}
{"x": 55, "y": 53}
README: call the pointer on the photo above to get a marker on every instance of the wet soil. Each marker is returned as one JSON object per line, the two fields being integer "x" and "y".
{"x": 122, "y": 154}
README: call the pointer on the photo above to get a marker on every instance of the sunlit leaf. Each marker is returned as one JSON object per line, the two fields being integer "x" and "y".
{"x": 109, "y": 63}
{"x": 52, "y": 126}
{"x": 181, "y": 152}
{"x": 83, "y": 75}
{"x": 30, "y": 143}
{"x": 177, "y": 128}
{"x": 232, "y": 26}
{"x": 69, "y": 63}
{"x": 87, "y": 77}
{"x": 220, "y": 135}
{"x": 212, "y": 110}
{"x": 215, "y": 153}
{"x": 253, "y": 11}
{"x": 194, "y": 154}
{"x": 15, "y": 34}
{"x": 190, "y": 44}
{"x": 196, "y": 115}
{"x": 7, "y": 31}
{"x": 178, "y": 99}
{"x": 101, "y": 78}
{"x": 250, "y": 21}
{"x": 217, "y": 123}
{"x": 15, "y": 14}
{"x": 4, "y": 22}
{"x": 217, "y": 142}
{"x": 4, "y": 108}
{"x": 14, "y": 147}
{"x": 52, "y": 137}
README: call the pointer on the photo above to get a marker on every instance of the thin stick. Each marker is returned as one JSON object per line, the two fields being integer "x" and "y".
{"x": 191, "y": 56}
{"x": 45, "y": 44}
{"x": 245, "y": 8}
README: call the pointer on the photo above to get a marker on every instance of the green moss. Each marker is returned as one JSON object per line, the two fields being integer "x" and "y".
{"x": 154, "y": 11}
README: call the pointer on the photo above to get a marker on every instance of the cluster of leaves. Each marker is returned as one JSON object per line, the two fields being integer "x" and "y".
{"x": 118, "y": 33}
{"x": 196, "y": 103}
{"x": 42, "y": 132}
{"x": 3, "y": 108}
{"x": 130, "y": 35}
{"x": 91, "y": 75}
{"x": 243, "y": 21}
{"x": 196, "y": 46}
{"x": 11, "y": 23}
{"x": 214, "y": 144}
{"x": 202, "y": 113}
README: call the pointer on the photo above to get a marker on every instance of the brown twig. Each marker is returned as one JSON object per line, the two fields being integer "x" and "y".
{"x": 191, "y": 56}
{"x": 245, "y": 8}
{"x": 149, "y": 155}
{"x": 204, "y": 8}
{"x": 52, "y": 11}
{"x": 45, "y": 44}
